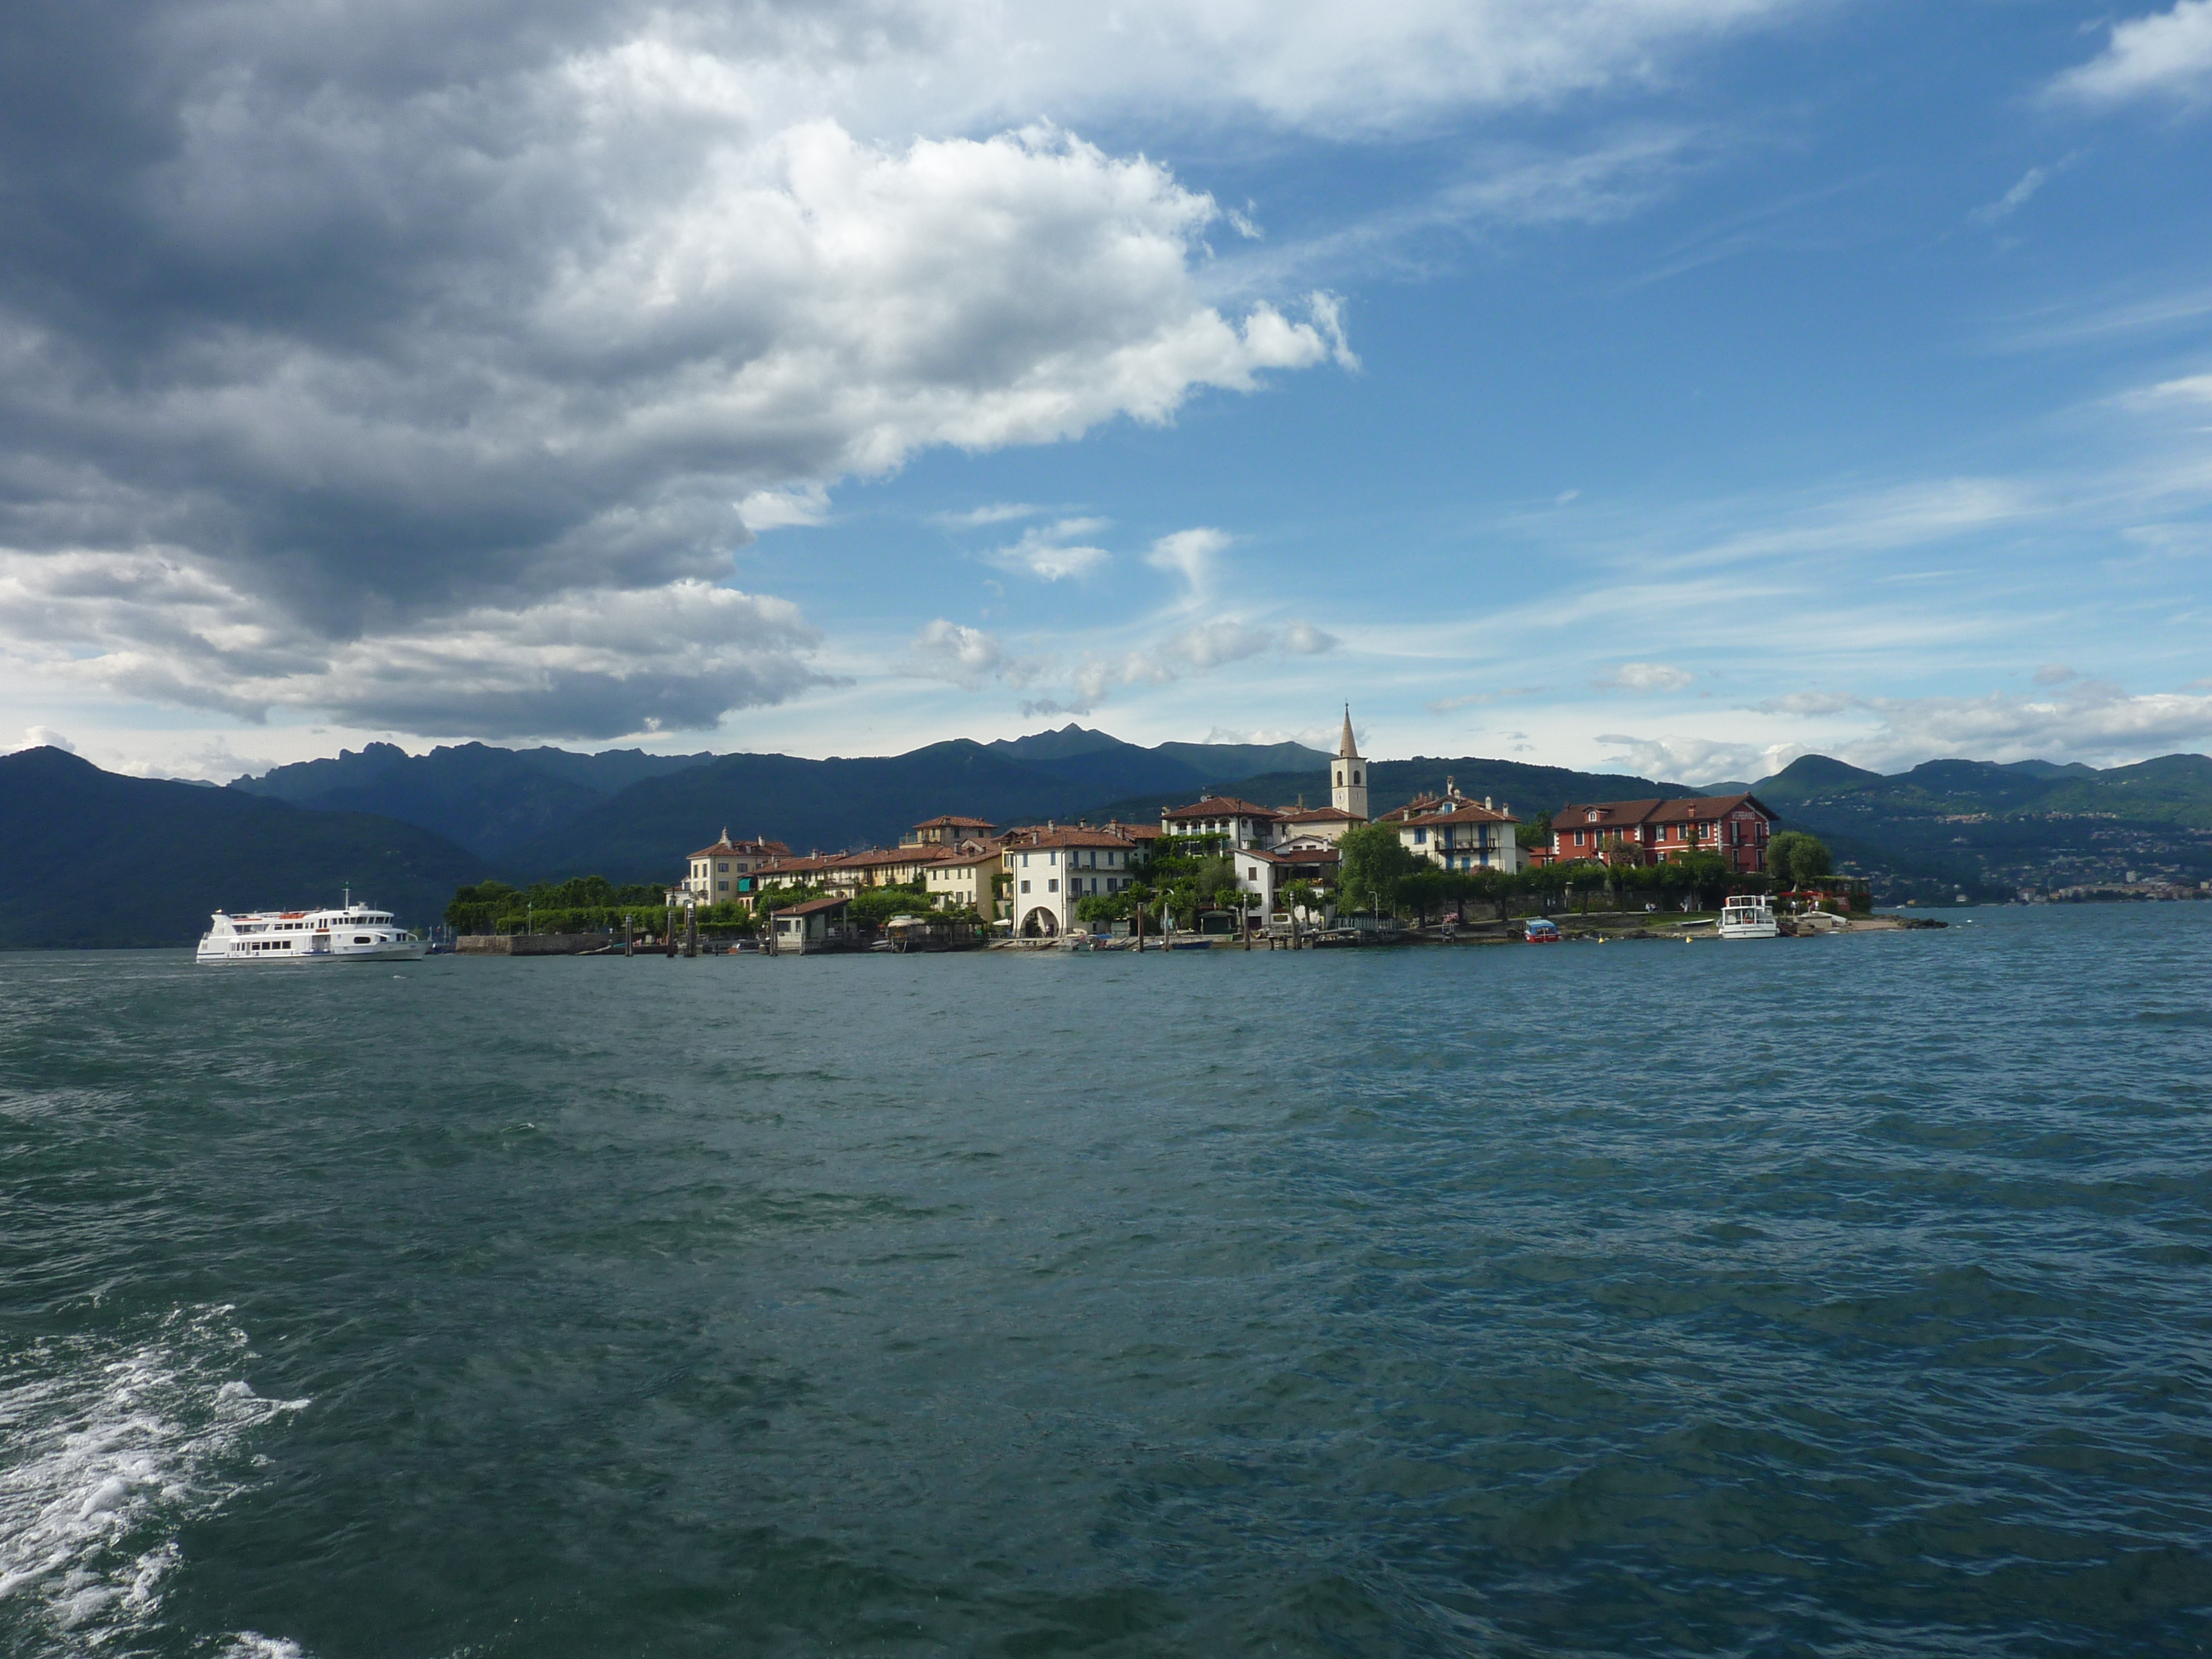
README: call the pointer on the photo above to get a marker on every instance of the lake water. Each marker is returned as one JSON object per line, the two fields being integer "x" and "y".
{"x": 1848, "y": 1295}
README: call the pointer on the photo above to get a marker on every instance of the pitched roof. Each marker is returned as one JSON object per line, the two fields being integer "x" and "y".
{"x": 1222, "y": 806}
{"x": 1305, "y": 855}
{"x": 727, "y": 848}
{"x": 1316, "y": 815}
{"x": 1059, "y": 837}
{"x": 878, "y": 855}
{"x": 1624, "y": 814}
{"x": 1423, "y": 808}
{"x": 948, "y": 821}
{"x": 1459, "y": 812}
{"x": 962, "y": 861}
{"x": 809, "y": 865}
{"x": 1345, "y": 749}
{"x": 812, "y": 906}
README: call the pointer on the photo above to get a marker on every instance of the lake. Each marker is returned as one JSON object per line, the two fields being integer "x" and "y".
{"x": 1838, "y": 1296}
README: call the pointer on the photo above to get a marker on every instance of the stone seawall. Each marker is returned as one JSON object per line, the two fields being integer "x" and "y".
{"x": 530, "y": 945}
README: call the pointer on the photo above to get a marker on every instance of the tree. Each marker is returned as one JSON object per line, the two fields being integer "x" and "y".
{"x": 1374, "y": 862}
{"x": 1794, "y": 857}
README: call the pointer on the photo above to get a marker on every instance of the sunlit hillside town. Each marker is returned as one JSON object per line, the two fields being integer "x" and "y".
{"x": 1252, "y": 867}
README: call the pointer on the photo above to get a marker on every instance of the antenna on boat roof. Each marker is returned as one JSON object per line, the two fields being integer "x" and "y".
{"x": 349, "y": 895}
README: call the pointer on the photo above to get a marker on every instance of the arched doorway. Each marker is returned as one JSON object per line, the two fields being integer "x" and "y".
{"x": 1039, "y": 924}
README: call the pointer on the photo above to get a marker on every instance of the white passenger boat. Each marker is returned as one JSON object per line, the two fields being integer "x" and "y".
{"x": 1748, "y": 915}
{"x": 350, "y": 933}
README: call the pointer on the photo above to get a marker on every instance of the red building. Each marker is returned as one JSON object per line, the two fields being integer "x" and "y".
{"x": 1650, "y": 831}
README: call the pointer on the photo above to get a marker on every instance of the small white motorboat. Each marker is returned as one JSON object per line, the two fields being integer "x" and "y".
{"x": 1748, "y": 915}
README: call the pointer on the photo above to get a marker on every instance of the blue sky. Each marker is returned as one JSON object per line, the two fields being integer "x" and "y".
{"x": 1648, "y": 383}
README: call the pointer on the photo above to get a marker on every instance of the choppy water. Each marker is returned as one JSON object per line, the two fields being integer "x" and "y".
{"x": 1836, "y": 1296}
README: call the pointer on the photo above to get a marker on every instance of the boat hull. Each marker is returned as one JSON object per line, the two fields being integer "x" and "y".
{"x": 398, "y": 950}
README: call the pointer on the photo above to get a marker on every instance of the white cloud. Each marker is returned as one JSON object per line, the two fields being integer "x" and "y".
{"x": 948, "y": 651}
{"x": 1477, "y": 699}
{"x": 2092, "y": 721}
{"x": 2189, "y": 389}
{"x": 1303, "y": 64}
{"x": 1198, "y": 650}
{"x": 583, "y": 664}
{"x": 1050, "y": 551}
{"x": 2013, "y": 200}
{"x": 990, "y": 512}
{"x": 1644, "y": 677}
{"x": 1697, "y": 760}
{"x": 44, "y": 737}
{"x": 2166, "y": 54}
{"x": 780, "y": 509}
{"x": 1189, "y": 554}
{"x": 2089, "y": 721}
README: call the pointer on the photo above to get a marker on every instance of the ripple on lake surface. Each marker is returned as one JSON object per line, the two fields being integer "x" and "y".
{"x": 1843, "y": 1296}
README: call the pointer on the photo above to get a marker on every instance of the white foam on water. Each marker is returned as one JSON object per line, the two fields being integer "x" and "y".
{"x": 107, "y": 1451}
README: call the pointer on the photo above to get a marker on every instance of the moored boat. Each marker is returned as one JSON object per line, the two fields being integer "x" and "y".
{"x": 1537, "y": 931}
{"x": 1748, "y": 915}
{"x": 346, "y": 932}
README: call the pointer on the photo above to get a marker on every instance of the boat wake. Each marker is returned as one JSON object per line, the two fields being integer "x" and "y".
{"x": 111, "y": 1449}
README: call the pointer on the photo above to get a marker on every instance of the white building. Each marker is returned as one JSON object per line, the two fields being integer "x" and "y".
{"x": 716, "y": 871}
{"x": 1264, "y": 873}
{"x": 1240, "y": 823}
{"x": 961, "y": 880}
{"x": 1458, "y": 833}
{"x": 1052, "y": 870}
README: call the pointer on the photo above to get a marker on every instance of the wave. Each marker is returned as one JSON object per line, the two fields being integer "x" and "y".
{"x": 111, "y": 1448}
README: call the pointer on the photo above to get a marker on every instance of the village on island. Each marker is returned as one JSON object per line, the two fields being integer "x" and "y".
{"x": 1217, "y": 871}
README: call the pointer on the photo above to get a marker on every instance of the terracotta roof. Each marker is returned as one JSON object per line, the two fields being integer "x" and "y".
{"x": 1316, "y": 815}
{"x": 1133, "y": 831}
{"x": 948, "y": 822}
{"x": 1222, "y": 806}
{"x": 805, "y": 866}
{"x": 1058, "y": 837}
{"x": 770, "y": 849}
{"x": 1624, "y": 814}
{"x": 812, "y": 906}
{"x": 1465, "y": 812}
{"x": 962, "y": 861}
{"x": 1313, "y": 855}
{"x": 876, "y": 855}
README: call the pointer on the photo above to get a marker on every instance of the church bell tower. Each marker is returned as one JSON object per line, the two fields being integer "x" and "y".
{"x": 1347, "y": 775}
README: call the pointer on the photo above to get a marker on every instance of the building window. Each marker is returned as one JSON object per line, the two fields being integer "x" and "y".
{"x": 1052, "y": 887}
{"x": 1420, "y": 837}
{"x": 1025, "y": 887}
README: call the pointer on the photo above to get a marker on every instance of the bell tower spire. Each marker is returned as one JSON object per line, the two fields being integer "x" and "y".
{"x": 1347, "y": 775}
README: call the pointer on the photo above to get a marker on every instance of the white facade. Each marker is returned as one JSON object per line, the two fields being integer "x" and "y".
{"x": 1460, "y": 835}
{"x": 962, "y": 882}
{"x": 715, "y": 870}
{"x": 1054, "y": 874}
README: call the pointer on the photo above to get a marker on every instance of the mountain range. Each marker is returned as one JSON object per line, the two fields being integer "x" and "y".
{"x": 548, "y": 812}
{"x": 97, "y": 859}
{"x": 94, "y": 858}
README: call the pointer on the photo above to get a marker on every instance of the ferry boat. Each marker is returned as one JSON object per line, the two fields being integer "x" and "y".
{"x": 350, "y": 933}
{"x": 1748, "y": 915}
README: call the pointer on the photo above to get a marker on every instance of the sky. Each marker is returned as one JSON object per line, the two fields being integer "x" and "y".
{"x": 1673, "y": 385}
